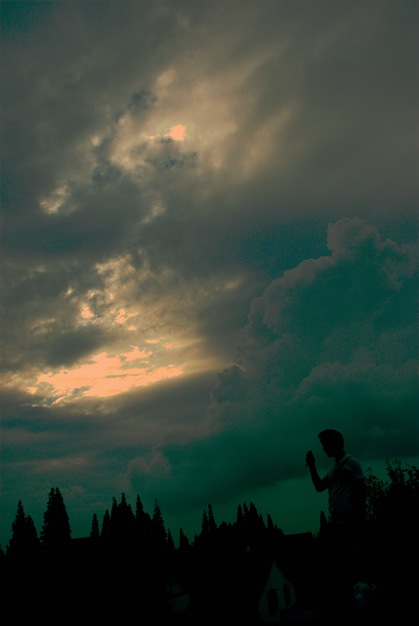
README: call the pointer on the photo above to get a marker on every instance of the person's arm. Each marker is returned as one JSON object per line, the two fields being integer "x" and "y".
{"x": 320, "y": 484}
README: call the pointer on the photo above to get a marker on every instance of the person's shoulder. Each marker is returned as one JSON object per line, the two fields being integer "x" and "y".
{"x": 354, "y": 464}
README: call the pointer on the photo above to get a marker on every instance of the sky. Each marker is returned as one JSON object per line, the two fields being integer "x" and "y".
{"x": 208, "y": 251}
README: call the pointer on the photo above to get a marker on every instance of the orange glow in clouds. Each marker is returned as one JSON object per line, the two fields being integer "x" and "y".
{"x": 106, "y": 375}
{"x": 178, "y": 133}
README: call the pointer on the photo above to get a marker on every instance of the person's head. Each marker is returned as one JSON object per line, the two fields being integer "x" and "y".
{"x": 332, "y": 442}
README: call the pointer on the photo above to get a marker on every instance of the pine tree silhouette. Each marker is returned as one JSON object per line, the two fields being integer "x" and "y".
{"x": 126, "y": 521}
{"x": 142, "y": 527}
{"x": 114, "y": 520}
{"x": 170, "y": 543}
{"x": 24, "y": 541}
{"x": 105, "y": 532}
{"x": 184, "y": 543}
{"x": 158, "y": 531}
{"x": 212, "y": 526}
{"x": 240, "y": 518}
{"x": 139, "y": 511}
{"x": 204, "y": 525}
{"x": 94, "y": 532}
{"x": 56, "y": 531}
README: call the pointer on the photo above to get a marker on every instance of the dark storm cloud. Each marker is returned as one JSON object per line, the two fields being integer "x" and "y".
{"x": 69, "y": 346}
{"x": 322, "y": 351}
{"x": 97, "y": 226}
{"x": 135, "y": 420}
{"x": 40, "y": 317}
{"x": 54, "y": 101}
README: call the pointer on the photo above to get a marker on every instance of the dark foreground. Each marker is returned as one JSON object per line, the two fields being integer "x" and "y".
{"x": 189, "y": 591}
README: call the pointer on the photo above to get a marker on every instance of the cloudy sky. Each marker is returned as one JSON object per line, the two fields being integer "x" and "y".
{"x": 209, "y": 221}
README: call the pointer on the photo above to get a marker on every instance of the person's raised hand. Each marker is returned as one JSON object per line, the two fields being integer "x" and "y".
{"x": 310, "y": 460}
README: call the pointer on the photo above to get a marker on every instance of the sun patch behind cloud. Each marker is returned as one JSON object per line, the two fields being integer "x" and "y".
{"x": 178, "y": 132}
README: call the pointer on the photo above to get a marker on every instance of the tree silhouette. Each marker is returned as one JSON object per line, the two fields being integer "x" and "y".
{"x": 114, "y": 520}
{"x": 240, "y": 517}
{"x": 122, "y": 525}
{"x": 139, "y": 511}
{"x": 24, "y": 540}
{"x": 56, "y": 531}
{"x": 143, "y": 530}
{"x": 184, "y": 543}
{"x": 212, "y": 526}
{"x": 94, "y": 532}
{"x": 393, "y": 503}
{"x": 170, "y": 543}
{"x": 204, "y": 525}
{"x": 245, "y": 513}
{"x": 375, "y": 491}
{"x": 158, "y": 531}
{"x": 126, "y": 521}
{"x": 105, "y": 532}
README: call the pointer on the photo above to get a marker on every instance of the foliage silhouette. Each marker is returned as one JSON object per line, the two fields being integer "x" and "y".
{"x": 94, "y": 532}
{"x": 134, "y": 556}
{"x": 24, "y": 540}
{"x": 56, "y": 531}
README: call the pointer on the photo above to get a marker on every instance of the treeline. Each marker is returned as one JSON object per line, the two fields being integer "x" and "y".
{"x": 129, "y": 568}
{"x": 128, "y": 565}
{"x": 123, "y": 528}
{"x": 392, "y": 505}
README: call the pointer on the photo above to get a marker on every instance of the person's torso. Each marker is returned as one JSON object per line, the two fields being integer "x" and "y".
{"x": 341, "y": 479}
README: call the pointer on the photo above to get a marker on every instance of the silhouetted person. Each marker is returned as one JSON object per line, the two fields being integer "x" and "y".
{"x": 346, "y": 519}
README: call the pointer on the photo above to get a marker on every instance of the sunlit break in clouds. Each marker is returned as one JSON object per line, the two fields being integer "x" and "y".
{"x": 104, "y": 376}
{"x": 178, "y": 133}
